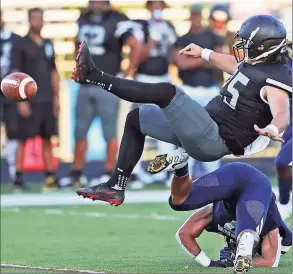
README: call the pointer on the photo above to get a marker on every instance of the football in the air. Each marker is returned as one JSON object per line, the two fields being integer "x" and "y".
{"x": 19, "y": 87}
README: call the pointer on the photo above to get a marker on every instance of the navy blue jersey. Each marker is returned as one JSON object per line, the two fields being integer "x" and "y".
{"x": 224, "y": 212}
{"x": 240, "y": 194}
{"x": 241, "y": 103}
{"x": 8, "y": 40}
{"x": 201, "y": 76}
{"x": 243, "y": 180}
{"x": 157, "y": 63}
{"x": 289, "y": 62}
{"x": 105, "y": 35}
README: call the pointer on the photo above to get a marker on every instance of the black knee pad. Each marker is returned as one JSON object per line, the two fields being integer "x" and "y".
{"x": 181, "y": 207}
{"x": 132, "y": 119}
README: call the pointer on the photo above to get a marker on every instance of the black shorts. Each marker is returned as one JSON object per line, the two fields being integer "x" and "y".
{"x": 42, "y": 122}
{"x": 10, "y": 120}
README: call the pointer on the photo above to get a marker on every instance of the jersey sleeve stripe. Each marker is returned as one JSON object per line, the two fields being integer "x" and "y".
{"x": 125, "y": 26}
{"x": 262, "y": 91}
{"x": 279, "y": 84}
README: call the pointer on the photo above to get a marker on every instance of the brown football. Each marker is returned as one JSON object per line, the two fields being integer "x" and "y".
{"x": 19, "y": 87}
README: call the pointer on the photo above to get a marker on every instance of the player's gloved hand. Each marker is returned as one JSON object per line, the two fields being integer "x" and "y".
{"x": 227, "y": 256}
{"x": 269, "y": 132}
{"x": 191, "y": 50}
{"x": 217, "y": 263}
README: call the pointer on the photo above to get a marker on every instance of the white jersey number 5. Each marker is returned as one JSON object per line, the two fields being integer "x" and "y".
{"x": 239, "y": 77}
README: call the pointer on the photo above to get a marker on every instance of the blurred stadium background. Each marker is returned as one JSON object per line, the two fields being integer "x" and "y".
{"x": 52, "y": 230}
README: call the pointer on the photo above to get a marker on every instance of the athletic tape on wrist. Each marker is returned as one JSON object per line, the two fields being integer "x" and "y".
{"x": 273, "y": 128}
{"x": 205, "y": 54}
{"x": 203, "y": 259}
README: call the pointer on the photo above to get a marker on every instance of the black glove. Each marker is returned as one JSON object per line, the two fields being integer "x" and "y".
{"x": 218, "y": 263}
{"x": 227, "y": 256}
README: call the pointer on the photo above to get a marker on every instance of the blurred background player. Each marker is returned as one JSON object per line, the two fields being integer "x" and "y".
{"x": 218, "y": 22}
{"x": 236, "y": 193}
{"x": 106, "y": 31}
{"x": 200, "y": 80}
{"x": 35, "y": 56}
{"x": 284, "y": 158}
{"x": 8, "y": 40}
{"x": 159, "y": 37}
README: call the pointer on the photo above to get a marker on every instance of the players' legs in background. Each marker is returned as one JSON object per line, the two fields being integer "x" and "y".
{"x": 111, "y": 158}
{"x": 85, "y": 113}
{"x": 46, "y": 129}
{"x": 9, "y": 112}
{"x": 11, "y": 147}
{"x": 107, "y": 107}
{"x": 18, "y": 183}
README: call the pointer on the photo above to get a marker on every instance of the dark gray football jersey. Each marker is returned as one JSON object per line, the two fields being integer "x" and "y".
{"x": 105, "y": 35}
{"x": 8, "y": 40}
{"x": 241, "y": 103}
{"x": 157, "y": 63}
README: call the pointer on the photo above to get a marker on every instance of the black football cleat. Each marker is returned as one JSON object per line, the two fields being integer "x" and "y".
{"x": 102, "y": 192}
{"x": 84, "y": 64}
{"x": 19, "y": 186}
{"x": 51, "y": 184}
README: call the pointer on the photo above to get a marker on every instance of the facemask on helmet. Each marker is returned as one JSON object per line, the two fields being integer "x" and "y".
{"x": 246, "y": 50}
{"x": 261, "y": 37}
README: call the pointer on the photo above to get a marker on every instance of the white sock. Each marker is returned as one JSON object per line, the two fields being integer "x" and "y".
{"x": 245, "y": 244}
{"x": 11, "y": 146}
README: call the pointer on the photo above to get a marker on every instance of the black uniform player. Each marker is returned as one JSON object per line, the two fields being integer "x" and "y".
{"x": 159, "y": 36}
{"x": 35, "y": 56}
{"x": 195, "y": 73}
{"x": 8, "y": 40}
{"x": 178, "y": 119}
{"x": 244, "y": 92}
{"x": 106, "y": 31}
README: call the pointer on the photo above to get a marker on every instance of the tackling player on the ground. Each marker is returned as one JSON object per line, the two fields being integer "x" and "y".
{"x": 254, "y": 101}
{"x": 239, "y": 204}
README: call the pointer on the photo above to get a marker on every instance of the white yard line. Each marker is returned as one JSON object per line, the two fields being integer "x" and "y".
{"x": 47, "y": 199}
{"x": 49, "y": 211}
{"x": 57, "y": 199}
{"x": 47, "y": 268}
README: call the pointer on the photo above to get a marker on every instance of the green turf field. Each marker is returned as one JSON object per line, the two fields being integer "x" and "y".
{"x": 132, "y": 238}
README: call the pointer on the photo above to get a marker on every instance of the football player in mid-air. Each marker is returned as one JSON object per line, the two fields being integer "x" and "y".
{"x": 284, "y": 158}
{"x": 254, "y": 102}
{"x": 235, "y": 201}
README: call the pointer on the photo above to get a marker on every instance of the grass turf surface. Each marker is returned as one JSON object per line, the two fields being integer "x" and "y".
{"x": 132, "y": 238}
